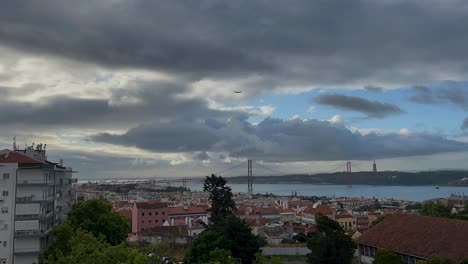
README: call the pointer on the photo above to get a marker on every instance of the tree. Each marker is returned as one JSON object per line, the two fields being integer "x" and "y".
{"x": 330, "y": 244}
{"x": 83, "y": 248}
{"x": 222, "y": 204}
{"x": 259, "y": 258}
{"x": 276, "y": 260}
{"x": 233, "y": 235}
{"x": 386, "y": 257}
{"x": 97, "y": 217}
{"x": 435, "y": 209}
{"x": 221, "y": 256}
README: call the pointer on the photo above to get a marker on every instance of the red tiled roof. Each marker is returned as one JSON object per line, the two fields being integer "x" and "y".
{"x": 189, "y": 210}
{"x": 151, "y": 205}
{"x": 15, "y": 157}
{"x": 267, "y": 211}
{"x": 420, "y": 236}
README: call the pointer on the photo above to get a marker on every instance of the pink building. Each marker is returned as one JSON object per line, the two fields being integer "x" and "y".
{"x": 148, "y": 214}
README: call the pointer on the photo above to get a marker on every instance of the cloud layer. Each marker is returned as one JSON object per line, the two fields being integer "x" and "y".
{"x": 357, "y": 43}
{"x": 352, "y": 103}
{"x": 276, "y": 140}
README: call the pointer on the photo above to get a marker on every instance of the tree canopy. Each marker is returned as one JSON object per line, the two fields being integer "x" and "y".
{"x": 386, "y": 257}
{"x": 97, "y": 217}
{"x": 228, "y": 233}
{"x": 81, "y": 247}
{"x": 222, "y": 204}
{"x": 330, "y": 244}
{"x": 234, "y": 236}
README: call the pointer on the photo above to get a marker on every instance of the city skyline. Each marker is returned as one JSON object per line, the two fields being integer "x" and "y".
{"x": 120, "y": 88}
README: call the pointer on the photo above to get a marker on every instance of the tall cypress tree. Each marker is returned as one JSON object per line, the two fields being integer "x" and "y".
{"x": 222, "y": 204}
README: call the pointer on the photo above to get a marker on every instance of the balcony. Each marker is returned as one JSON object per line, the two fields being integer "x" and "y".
{"x": 34, "y": 199}
{"x": 33, "y": 216}
{"x": 26, "y": 251}
{"x": 30, "y": 233}
{"x": 34, "y": 182}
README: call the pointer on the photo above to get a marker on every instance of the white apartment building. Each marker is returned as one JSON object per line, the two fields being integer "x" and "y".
{"x": 34, "y": 197}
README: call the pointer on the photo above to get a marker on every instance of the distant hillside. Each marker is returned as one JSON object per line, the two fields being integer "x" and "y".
{"x": 363, "y": 178}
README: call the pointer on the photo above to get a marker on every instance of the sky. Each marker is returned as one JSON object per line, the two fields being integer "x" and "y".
{"x": 129, "y": 89}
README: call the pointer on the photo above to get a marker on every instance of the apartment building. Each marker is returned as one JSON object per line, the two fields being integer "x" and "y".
{"x": 34, "y": 197}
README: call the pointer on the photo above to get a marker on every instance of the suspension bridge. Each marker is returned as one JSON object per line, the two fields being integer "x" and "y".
{"x": 238, "y": 169}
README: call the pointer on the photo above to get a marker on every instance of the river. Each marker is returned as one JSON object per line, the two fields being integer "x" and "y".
{"x": 412, "y": 193}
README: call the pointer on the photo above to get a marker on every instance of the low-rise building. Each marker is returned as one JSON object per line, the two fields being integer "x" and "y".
{"x": 414, "y": 238}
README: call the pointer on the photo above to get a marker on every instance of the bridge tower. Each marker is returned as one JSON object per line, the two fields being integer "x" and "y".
{"x": 249, "y": 177}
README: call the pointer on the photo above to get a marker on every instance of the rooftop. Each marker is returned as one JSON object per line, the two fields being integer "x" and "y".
{"x": 8, "y": 156}
{"x": 420, "y": 236}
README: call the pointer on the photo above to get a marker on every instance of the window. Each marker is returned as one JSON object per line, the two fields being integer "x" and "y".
{"x": 5, "y": 193}
{"x": 155, "y": 213}
{"x": 164, "y": 213}
{"x": 2, "y": 260}
{"x": 163, "y": 220}
{"x": 142, "y": 214}
{"x": 149, "y": 213}
{"x": 156, "y": 220}
{"x": 4, "y": 244}
{"x": 6, "y": 176}
{"x": 142, "y": 222}
{"x": 4, "y": 210}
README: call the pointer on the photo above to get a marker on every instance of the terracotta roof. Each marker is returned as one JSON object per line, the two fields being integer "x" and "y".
{"x": 420, "y": 236}
{"x": 323, "y": 209}
{"x": 151, "y": 205}
{"x": 8, "y": 156}
{"x": 189, "y": 210}
{"x": 267, "y": 211}
{"x": 258, "y": 221}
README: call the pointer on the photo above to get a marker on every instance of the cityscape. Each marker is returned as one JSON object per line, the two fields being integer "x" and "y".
{"x": 233, "y": 132}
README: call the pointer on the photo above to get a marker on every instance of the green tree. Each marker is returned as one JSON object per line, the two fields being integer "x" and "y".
{"x": 222, "y": 204}
{"x": 435, "y": 209}
{"x": 221, "y": 256}
{"x": 233, "y": 235}
{"x": 83, "y": 248}
{"x": 259, "y": 258}
{"x": 97, "y": 217}
{"x": 386, "y": 257}
{"x": 276, "y": 260}
{"x": 330, "y": 244}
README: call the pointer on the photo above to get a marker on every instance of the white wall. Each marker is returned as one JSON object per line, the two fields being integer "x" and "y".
{"x": 26, "y": 244}
{"x": 8, "y": 185}
{"x": 27, "y": 225}
{"x": 26, "y": 209}
{"x": 32, "y": 190}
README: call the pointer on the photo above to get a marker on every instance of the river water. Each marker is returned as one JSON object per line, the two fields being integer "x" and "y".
{"x": 412, "y": 193}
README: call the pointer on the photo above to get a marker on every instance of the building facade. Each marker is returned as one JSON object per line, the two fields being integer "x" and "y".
{"x": 34, "y": 197}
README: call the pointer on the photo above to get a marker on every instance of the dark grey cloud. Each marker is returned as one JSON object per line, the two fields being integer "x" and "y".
{"x": 276, "y": 140}
{"x": 464, "y": 126}
{"x": 166, "y": 137}
{"x": 136, "y": 103}
{"x": 449, "y": 95}
{"x": 375, "y": 89}
{"x": 352, "y": 103}
{"x": 307, "y": 42}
